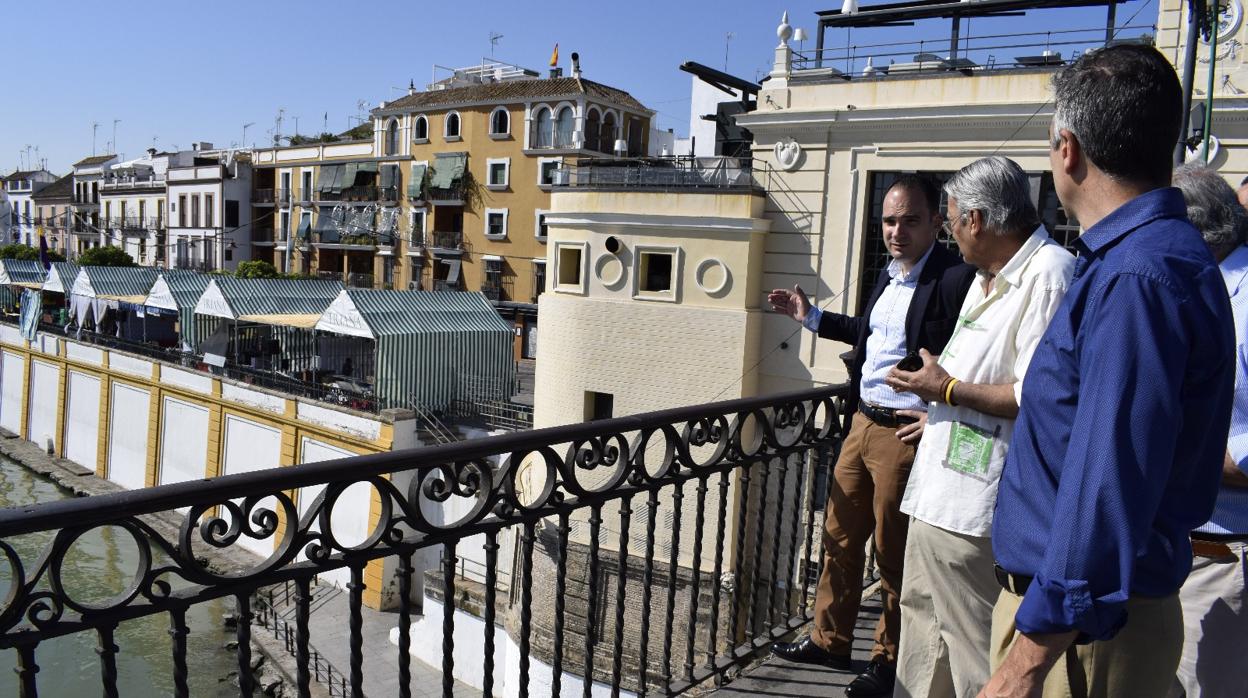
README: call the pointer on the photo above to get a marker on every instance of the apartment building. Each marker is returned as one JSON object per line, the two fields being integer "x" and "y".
{"x": 209, "y": 197}
{"x": 52, "y": 212}
{"x": 133, "y": 202}
{"x": 85, "y": 231}
{"x": 20, "y": 187}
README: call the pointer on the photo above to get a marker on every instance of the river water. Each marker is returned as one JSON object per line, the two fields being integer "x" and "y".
{"x": 97, "y": 567}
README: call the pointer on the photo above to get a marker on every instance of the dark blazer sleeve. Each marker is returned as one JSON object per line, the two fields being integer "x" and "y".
{"x": 842, "y": 328}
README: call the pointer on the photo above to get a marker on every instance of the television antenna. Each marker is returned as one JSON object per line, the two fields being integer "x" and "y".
{"x": 494, "y": 37}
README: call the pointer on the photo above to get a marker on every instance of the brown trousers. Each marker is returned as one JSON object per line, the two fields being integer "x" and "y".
{"x": 867, "y": 486}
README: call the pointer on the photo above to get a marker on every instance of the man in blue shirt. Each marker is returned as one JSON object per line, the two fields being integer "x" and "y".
{"x": 1122, "y": 427}
{"x": 1214, "y": 596}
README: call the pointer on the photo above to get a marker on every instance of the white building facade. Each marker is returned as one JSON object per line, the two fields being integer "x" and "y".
{"x": 209, "y": 204}
{"x": 20, "y": 187}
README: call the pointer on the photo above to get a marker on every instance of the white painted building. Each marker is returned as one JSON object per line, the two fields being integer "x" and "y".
{"x": 134, "y": 210}
{"x": 85, "y": 230}
{"x": 209, "y": 210}
{"x": 20, "y": 187}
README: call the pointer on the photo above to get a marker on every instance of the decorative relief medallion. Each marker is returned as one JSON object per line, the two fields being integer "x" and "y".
{"x": 788, "y": 154}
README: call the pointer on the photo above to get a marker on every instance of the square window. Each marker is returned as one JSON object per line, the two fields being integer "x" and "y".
{"x": 570, "y": 272}
{"x": 496, "y": 223}
{"x": 657, "y": 273}
{"x": 598, "y": 405}
{"x": 546, "y": 169}
{"x": 497, "y": 173}
{"x": 540, "y": 229}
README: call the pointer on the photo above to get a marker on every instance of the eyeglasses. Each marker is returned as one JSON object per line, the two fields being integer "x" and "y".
{"x": 947, "y": 224}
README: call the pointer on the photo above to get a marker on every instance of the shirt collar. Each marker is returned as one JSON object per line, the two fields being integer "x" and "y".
{"x": 1235, "y": 268}
{"x": 1166, "y": 202}
{"x": 1012, "y": 272}
{"x": 894, "y": 267}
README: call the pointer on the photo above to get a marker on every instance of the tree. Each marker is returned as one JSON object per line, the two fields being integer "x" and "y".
{"x": 256, "y": 269}
{"x": 107, "y": 256}
{"x": 20, "y": 251}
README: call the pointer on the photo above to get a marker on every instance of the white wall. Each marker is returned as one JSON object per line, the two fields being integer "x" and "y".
{"x": 349, "y": 520}
{"x": 127, "y": 437}
{"x": 44, "y": 386}
{"x": 82, "y": 418}
{"x": 183, "y": 443}
{"x": 11, "y": 377}
{"x": 250, "y": 446}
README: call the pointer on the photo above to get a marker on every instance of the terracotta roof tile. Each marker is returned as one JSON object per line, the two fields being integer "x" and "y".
{"x": 62, "y": 188}
{"x": 93, "y": 160}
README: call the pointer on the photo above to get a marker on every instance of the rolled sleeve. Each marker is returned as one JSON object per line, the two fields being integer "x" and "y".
{"x": 813, "y": 317}
{"x": 1118, "y": 461}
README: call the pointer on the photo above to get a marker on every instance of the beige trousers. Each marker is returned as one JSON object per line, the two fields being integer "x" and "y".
{"x": 1138, "y": 662}
{"x": 1215, "y": 628}
{"x": 947, "y": 595}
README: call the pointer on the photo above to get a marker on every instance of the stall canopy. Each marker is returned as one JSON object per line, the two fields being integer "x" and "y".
{"x": 282, "y": 302}
{"x": 22, "y": 272}
{"x": 60, "y": 278}
{"x": 177, "y": 294}
{"x": 96, "y": 289}
{"x": 428, "y": 344}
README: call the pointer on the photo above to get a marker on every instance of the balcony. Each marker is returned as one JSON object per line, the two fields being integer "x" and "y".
{"x": 595, "y": 575}
{"x": 263, "y": 196}
{"x": 133, "y": 225}
{"x": 333, "y": 240}
{"x": 671, "y": 174}
{"x": 446, "y": 241}
{"x": 496, "y": 289}
{"x": 264, "y": 236}
{"x": 447, "y": 196}
{"x": 359, "y": 280}
{"x": 115, "y": 183}
{"x": 306, "y": 196}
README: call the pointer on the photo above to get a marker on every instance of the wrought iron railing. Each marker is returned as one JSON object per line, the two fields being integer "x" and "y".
{"x": 710, "y": 598}
{"x": 445, "y": 239}
{"x": 673, "y": 173}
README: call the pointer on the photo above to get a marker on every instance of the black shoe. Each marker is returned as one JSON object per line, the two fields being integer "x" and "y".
{"x": 805, "y": 651}
{"x": 876, "y": 682}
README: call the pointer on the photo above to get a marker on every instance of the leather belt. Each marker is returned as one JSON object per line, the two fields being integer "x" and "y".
{"x": 1208, "y": 548}
{"x": 886, "y": 417}
{"x": 1013, "y": 583}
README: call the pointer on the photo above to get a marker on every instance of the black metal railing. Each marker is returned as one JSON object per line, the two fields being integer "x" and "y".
{"x": 262, "y": 196}
{"x": 965, "y": 53}
{"x": 445, "y": 239}
{"x": 718, "y": 577}
{"x": 675, "y": 173}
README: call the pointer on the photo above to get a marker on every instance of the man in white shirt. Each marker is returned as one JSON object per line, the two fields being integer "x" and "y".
{"x": 948, "y": 585}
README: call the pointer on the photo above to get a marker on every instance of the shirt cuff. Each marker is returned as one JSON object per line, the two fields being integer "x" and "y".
{"x": 1237, "y": 446}
{"x": 1062, "y": 605}
{"x": 813, "y": 317}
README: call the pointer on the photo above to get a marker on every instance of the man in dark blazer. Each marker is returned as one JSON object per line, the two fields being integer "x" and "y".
{"x": 914, "y": 304}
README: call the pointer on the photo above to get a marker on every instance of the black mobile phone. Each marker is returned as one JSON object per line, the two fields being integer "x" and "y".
{"x": 910, "y": 362}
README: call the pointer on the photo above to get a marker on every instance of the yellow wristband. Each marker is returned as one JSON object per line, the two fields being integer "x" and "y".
{"x": 949, "y": 392}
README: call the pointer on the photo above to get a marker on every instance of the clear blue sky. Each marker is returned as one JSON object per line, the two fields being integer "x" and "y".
{"x": 180, "y": 72}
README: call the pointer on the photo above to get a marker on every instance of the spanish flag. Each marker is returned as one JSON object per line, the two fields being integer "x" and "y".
{"x": 554, "y": 57}
{"x": 43, "y": 250}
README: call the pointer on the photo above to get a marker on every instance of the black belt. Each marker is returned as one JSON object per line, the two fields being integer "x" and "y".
{"x": 884, "y": 416}
{"x": 1013, "y": 583}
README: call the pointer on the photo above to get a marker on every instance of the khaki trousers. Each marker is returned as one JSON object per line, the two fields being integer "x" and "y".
{"x": 867, "y": 485}
{"x": 1138, "y": 662}
{"x": 1215, "y": 627}
{"x": 947, "y": 595}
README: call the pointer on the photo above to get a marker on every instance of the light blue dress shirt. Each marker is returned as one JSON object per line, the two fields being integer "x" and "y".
{"x": 886, "y": 343}
{"x": 1230, "y": 515}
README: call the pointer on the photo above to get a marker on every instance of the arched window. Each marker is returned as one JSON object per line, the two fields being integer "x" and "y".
{"x": 592, "y": 127}
{"x": 564, "y": 128}
{"x": 500, "y": 122}
{"x": 542, "y": 131}
{"x": 420, "y": 129}
{"x": 451, "y": 129}
{"x": 606, "y": 143}
{"x": 392, "y": 137}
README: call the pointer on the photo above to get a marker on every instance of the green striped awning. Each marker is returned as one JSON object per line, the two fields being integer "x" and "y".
{"x": 448, "y": 169}
{"x": 179, "y": 292}
{"x": 266, "y": 300}
{"x": 60, "y": 278}
{"x": 417, "y": 179}
{"x": 22, "y": 272}
{"x": 130, "y": 284}
{"x": 428, "y": 344}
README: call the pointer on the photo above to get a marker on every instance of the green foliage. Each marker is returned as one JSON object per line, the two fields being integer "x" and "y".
{"x": 361, "y": 132}
{"x": 20, "y": 251}
{"x": 107, "y": 256}
{"x": 256, "y": 269}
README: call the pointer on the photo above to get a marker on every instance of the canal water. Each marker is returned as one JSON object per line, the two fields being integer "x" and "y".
{"x": 98, "y": 567}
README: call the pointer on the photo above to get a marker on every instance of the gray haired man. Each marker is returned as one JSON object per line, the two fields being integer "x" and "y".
{"x": 948, "y": 587}
{"x": 1214, "y": 597}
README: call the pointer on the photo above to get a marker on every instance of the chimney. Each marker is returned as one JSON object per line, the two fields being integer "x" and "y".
{"x": 151, "y": 152}
{"x": 576, "y": 65}
{"x": 411, "y": 87}
{"x": 556, "y": 73}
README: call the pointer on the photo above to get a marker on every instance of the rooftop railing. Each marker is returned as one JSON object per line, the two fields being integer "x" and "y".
{"x": 967, "y": 54}
{"x": 683, "y": 173}
{"x": 705, "y": 577}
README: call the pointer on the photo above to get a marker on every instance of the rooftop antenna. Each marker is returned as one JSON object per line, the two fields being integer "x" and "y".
{"x": 95, "y": 126}
{"x": 115, "y": 122}
{"x": 277, "y": 125}
{"x": 494, "y": 37}
{"x": 727, "y": 39}
{"x": 243, "y": 142}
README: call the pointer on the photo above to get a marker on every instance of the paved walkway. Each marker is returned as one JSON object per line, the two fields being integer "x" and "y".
{"x": 330, "y": 627}
{"x": 776, "y": 677}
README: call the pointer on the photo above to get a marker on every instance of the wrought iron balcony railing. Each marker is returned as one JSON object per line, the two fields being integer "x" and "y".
{"x": 262, "y": 196}
{"x": 675, "y": 173}
{"x": 732, "y": 484}
{"x": 445, "y": 239}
